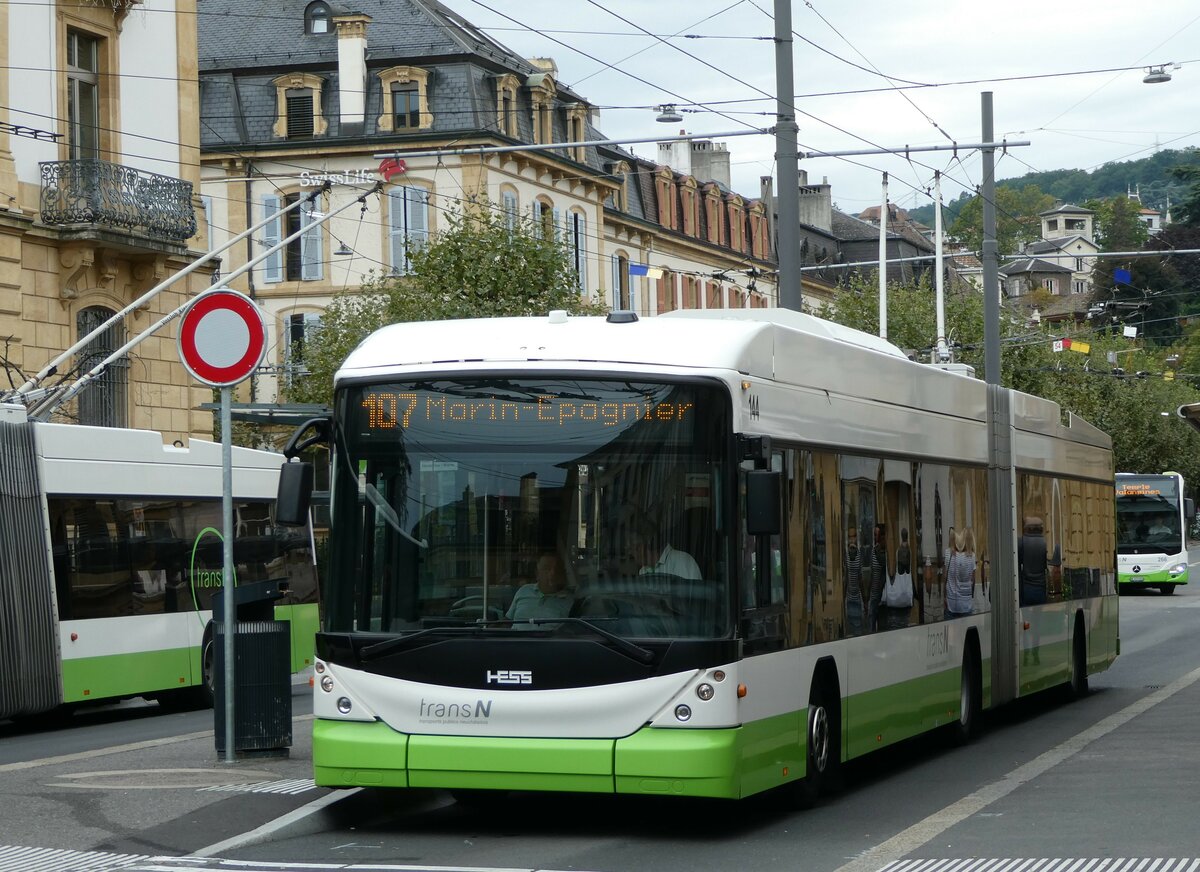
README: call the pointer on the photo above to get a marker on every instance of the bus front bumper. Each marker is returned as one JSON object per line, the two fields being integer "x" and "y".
{"x": 696, "y": 762}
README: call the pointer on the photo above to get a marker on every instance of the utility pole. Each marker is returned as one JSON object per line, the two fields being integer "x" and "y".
{"x": 1002, "y": 492}
{"x": 786, "y": 158}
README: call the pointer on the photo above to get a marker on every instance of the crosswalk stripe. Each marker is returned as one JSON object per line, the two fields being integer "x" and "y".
{"x": 291, "y": 786}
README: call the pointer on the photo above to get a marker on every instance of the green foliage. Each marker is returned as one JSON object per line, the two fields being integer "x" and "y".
{"x": 1187, "y": 211}
{"x": 477, "y": 267}
{"x": 1152, "y": 176}
{"x": 1128, "y": 407}
{"x": 1017, "y": 219}
{"x": 1118, "y": 225}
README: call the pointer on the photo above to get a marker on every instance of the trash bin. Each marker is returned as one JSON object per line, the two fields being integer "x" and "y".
{"x": 262, "y": 704}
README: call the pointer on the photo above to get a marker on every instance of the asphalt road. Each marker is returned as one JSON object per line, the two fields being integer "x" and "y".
{"x": 1111, "y": 776}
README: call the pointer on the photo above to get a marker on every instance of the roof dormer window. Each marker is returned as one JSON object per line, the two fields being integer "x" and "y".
{"x": 316, "y": 18}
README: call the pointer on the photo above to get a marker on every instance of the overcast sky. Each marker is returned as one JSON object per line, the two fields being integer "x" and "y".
{"x": 1073, "y": 118}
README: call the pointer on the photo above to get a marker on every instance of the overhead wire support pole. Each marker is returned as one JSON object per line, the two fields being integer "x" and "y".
{"x": 52, "y": 367}
{"x": 787, "y": 229}
{"x": 43, "y": 409}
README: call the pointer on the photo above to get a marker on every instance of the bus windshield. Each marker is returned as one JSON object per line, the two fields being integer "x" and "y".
{"x": 1149, "y": 517}
{"x": 531, "y": 505}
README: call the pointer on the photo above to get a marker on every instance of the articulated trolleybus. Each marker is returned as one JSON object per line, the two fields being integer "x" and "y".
{"x": 707, "y": 553}
{"x": 112, "y": 553}
{"x": 1152, "y": 522}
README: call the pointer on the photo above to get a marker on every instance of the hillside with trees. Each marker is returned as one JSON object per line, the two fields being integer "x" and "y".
{"x": 1150, "y": 176}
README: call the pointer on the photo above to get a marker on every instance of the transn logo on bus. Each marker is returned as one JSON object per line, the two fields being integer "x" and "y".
{"x": 509, "y": 676}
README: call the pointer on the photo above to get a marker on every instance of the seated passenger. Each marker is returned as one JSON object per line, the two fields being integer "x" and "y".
{"x": 545, "y": 597}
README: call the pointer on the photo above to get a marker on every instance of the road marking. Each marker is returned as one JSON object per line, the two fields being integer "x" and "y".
{"x": 290, "y": 786}
{"x": 14, "y": 858}
{"x": 263, "y": 833}
{"x": 885, "y": 855}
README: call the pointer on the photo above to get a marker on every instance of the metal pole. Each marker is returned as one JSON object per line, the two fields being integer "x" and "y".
{"x": 991, "y": 266}
{"x": 883, "y": 223}
{"x": 943, "y": 353}
{"x": 230, "y": 612}
{"x": 786, "y": 131}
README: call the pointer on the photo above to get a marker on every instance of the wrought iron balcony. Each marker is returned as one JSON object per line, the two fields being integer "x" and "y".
{"x": 98, "y": 192}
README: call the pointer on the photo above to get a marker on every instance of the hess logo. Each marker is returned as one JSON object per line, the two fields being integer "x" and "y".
{"x": 509, "y": 676}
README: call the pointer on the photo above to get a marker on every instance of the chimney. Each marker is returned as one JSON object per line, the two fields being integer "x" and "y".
{"x": 677, "y": 155}
{"x": 710, "y": 161}
{"x": 352, "y": 71}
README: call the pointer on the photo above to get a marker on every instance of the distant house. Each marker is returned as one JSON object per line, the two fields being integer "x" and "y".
{"x": 1068, "y": 234}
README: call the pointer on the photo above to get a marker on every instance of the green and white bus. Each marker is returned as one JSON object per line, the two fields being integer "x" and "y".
{"x": 1152, "y": 522}
{"x": 112, "y": 551}
{"x": 848, "y": 576}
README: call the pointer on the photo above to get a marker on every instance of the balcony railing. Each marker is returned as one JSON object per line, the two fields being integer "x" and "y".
{"x": 98, "y": 192}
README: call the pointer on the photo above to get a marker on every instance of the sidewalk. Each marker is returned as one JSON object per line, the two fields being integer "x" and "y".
{"x": 171, "y": 796}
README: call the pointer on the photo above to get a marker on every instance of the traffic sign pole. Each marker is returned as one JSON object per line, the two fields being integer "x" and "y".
{"x": 222, "y": 338}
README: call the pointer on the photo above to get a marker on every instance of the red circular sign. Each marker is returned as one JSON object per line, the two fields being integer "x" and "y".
{"x": 222, "y": 337}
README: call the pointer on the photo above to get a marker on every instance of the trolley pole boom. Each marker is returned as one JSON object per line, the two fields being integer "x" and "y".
{"x": 46, "y": 407}
{"x": 52, "y": 367}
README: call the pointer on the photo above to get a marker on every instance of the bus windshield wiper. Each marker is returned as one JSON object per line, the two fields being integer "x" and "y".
{"x": 620, "y": 643}
{"x": 381, "y": 649}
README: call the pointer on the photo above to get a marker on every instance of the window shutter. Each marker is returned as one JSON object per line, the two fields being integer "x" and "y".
{"x": 408, "y": 216}
{"x": 300, "y": 123}
{"x": 208, "y": 222}
{"x": 558, "y": 225}
{"x": 272, "y": 267}
{"x": 616, "y": 282}
{"x": 510, "y": 210}
{"x": 310, "y": 245}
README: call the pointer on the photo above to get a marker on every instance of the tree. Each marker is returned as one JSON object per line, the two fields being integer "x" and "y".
{"x": 485, "y": 263}
{"x": 1126, "y": 405}
{"x": 1188, "y": 210}
{"x": 1017, "y": 219}
{"x": 1119, "y": 226}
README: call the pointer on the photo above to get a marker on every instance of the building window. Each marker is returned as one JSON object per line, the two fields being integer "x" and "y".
{"x": 406, "y": 105}
{"x": 577, "y": 247}
{"x": 1079, "y": 287}
{"x": 316, "y": 18}
{"x": 1052, "y": 285}
{"x": 104, "y": 403}
{"x": 577, "y": 131}
{"x": 506, "y": 104}
{"x": 620, "y": 282}
{"x": 545, "y": 220}
{"x": 83, "y": 96}
{"x": 666, "y": 291}
{"x": 301, "y": 259}
{"x": 1051, "y": 223}
{"x": 408, "y": 225}
{"x": 510, "y": 204}
{"x": 298, "y": 112}
{"x": 301, "y": 328}
{"x": 405, "y": 99}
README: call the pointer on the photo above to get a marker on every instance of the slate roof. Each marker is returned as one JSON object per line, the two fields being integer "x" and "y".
{"x": 1058, "y": 245}
{"x": 1067, "y": 209}
{"x": 1032, "y": 265}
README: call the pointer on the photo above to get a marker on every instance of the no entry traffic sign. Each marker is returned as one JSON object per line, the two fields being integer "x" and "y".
{"x": 222, "y": 337}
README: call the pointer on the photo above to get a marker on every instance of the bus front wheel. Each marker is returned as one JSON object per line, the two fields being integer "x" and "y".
{"x": 822, "y": 751}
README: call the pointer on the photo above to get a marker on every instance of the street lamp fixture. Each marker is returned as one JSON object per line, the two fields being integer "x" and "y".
{"x": 668, "y": 114}
{"x": 1155, "y": 75}
{"x": 344, "y": 250}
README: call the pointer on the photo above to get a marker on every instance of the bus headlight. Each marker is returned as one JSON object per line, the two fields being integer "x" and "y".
{"x": 327, "y": 683}
{"x": 683, "y": 712}
{"x": 1177, "y": 569}
{"x": 344, "y": 705}
{"x": 705, "y": 691}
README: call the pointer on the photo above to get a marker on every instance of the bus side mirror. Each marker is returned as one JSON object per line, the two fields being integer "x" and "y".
{"x": 1189, "y": 507}
{"x": 295, "y": 494}
{"x": 762, "y": 502}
